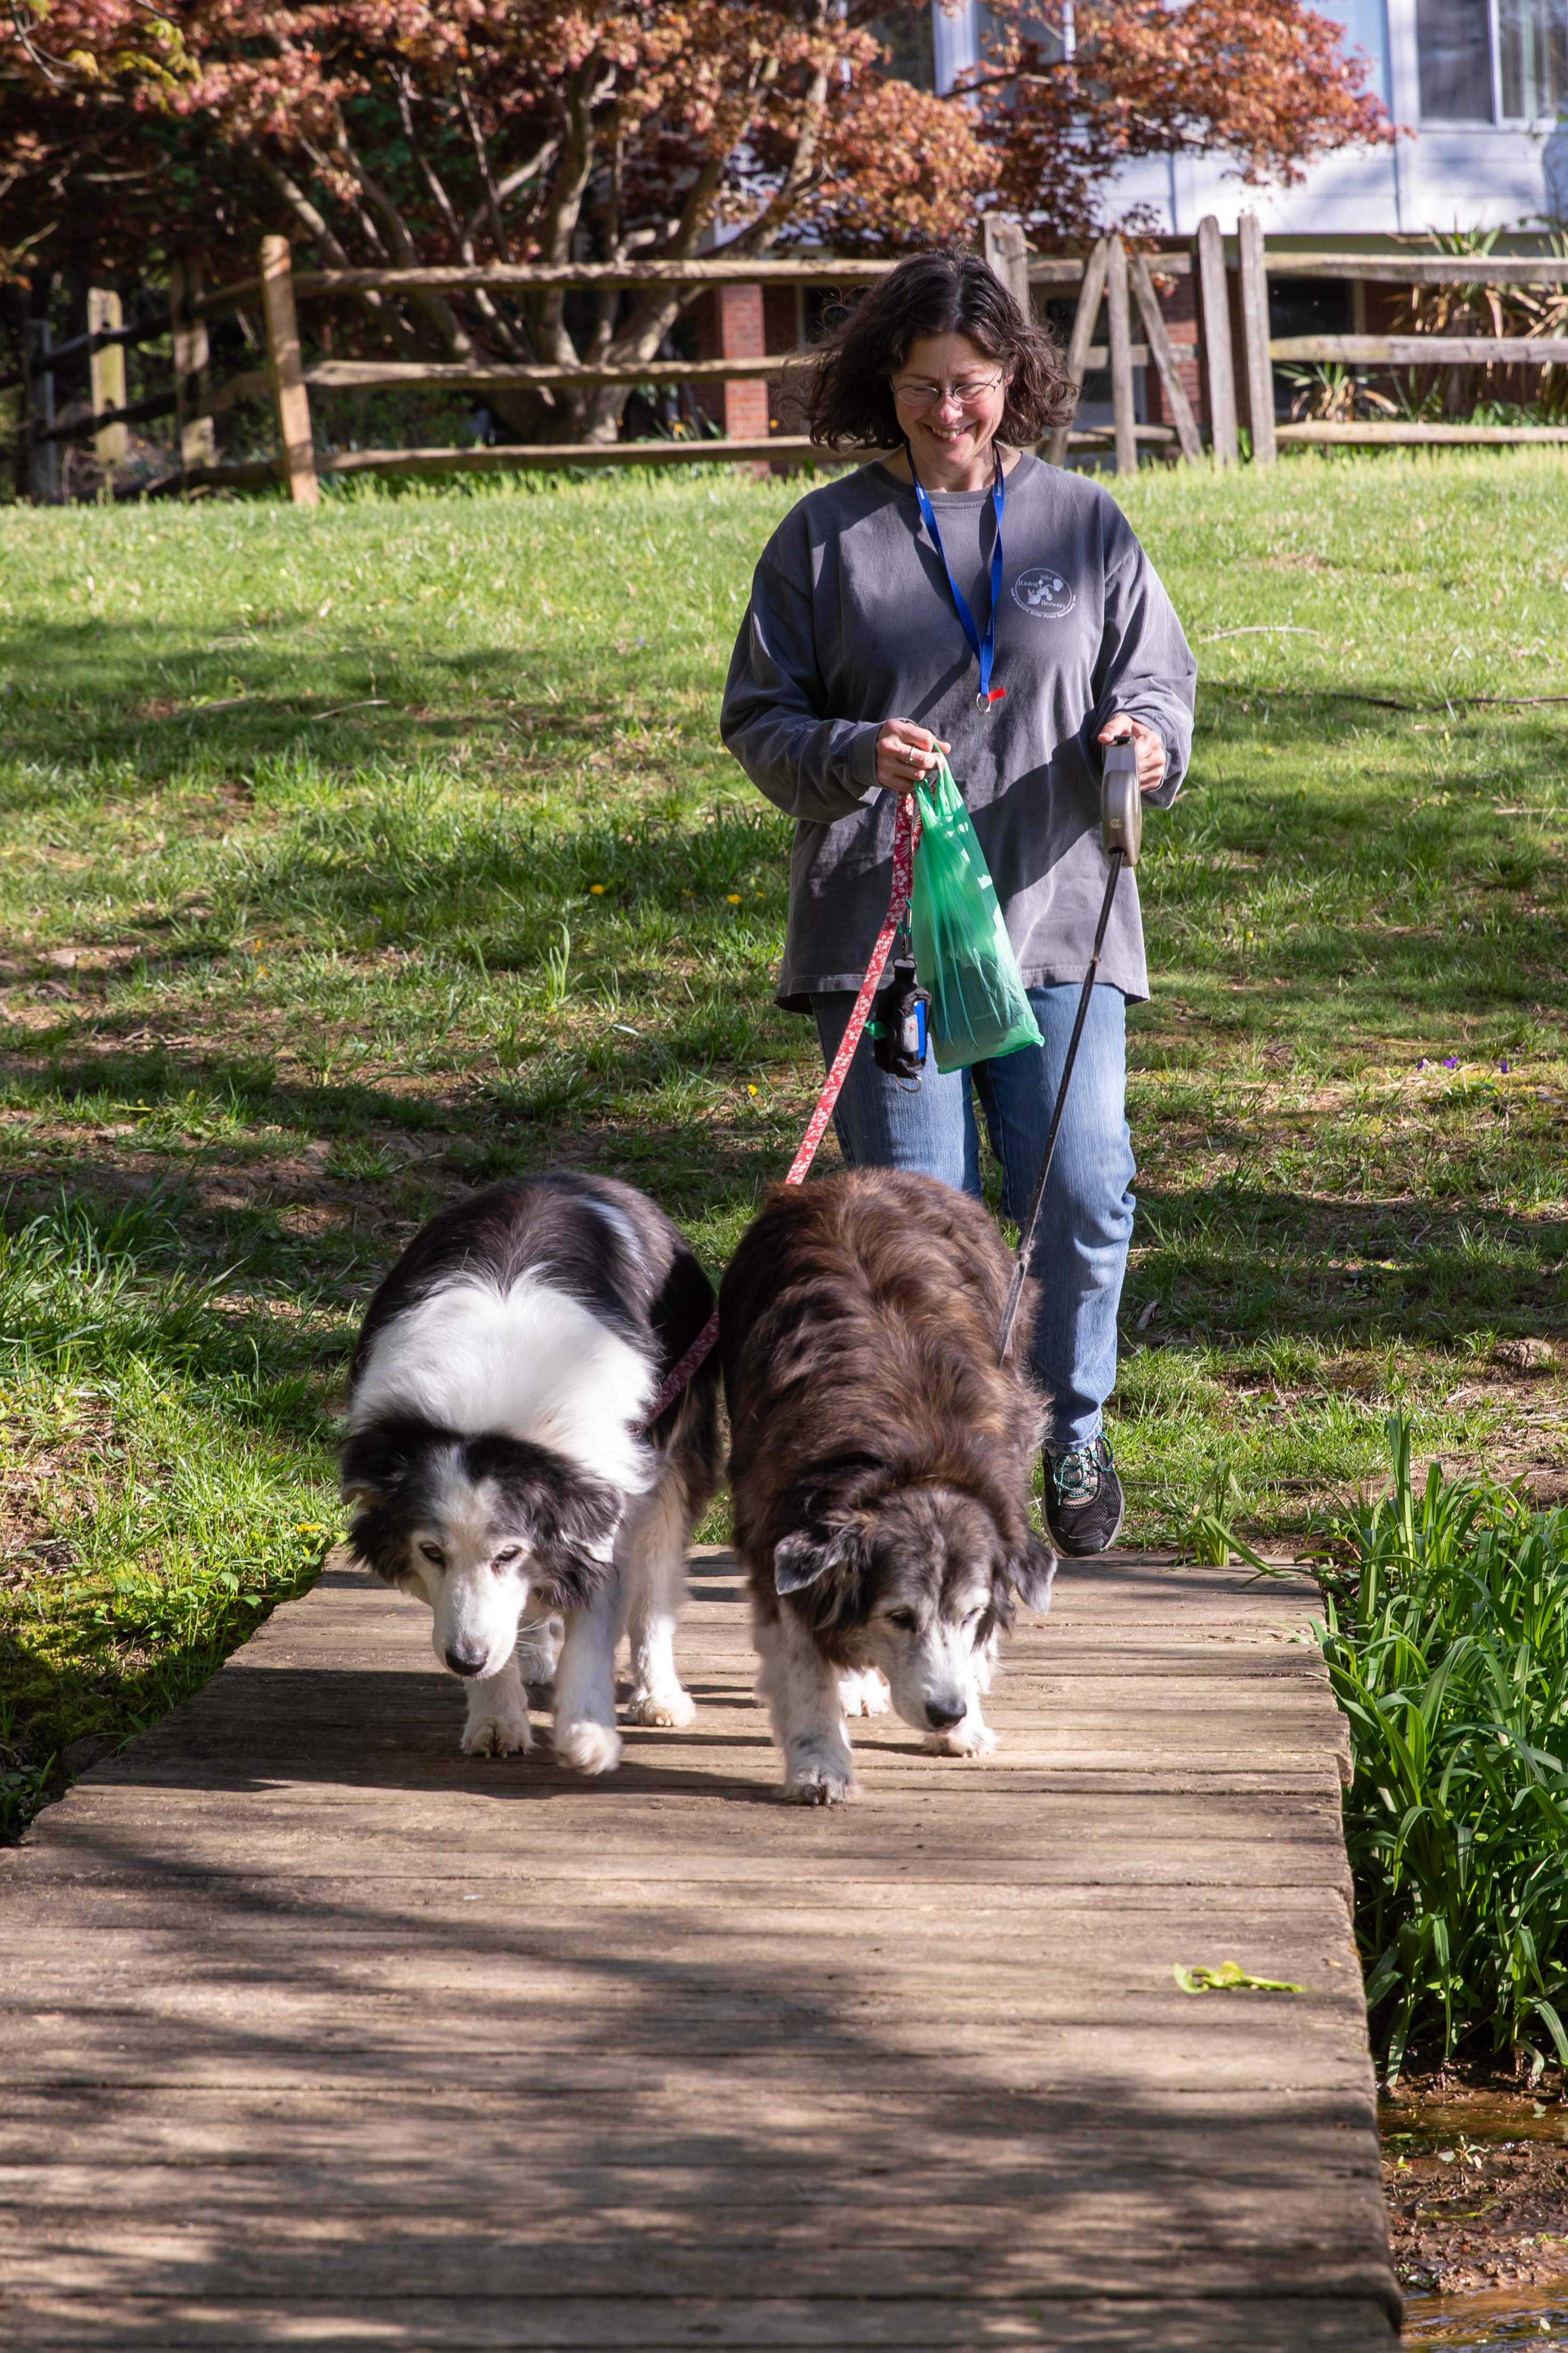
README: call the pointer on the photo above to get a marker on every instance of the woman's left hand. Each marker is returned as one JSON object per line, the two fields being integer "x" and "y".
{"x": 1146, "y": 744}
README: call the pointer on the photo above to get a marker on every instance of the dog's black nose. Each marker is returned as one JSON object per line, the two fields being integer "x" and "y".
{"x": 466, "y": 1662}
{"x": 942, "y": 1714}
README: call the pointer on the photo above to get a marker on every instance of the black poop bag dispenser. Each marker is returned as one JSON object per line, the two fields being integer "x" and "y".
{"x": 900, "y": 1020}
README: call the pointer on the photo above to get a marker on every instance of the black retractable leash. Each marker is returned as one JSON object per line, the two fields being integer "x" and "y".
{"x": 1122, "y": 837}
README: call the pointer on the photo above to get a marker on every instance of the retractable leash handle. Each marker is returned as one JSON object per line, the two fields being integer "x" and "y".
{"x": 1121, "y": 802}
{"x": 1121, "y": 838}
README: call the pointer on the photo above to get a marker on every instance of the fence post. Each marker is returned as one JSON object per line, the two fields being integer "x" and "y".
{"x": 289, "y": 398}
{"x": 1090, "y": 289}
{"x": 1165, "y": 358}
{"x": 106, "y": 374}
{"x": 1220, "y": 372}
{"x": 1121, "y": 407}
{"x": 1007, "y": 257}
{"x": 1255, "y": 330}
{"x": 198, "y": 446}
{"x": 40, "y": 409}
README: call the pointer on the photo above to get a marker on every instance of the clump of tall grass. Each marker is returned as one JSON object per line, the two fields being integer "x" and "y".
{"x": 1447, "y": 1643}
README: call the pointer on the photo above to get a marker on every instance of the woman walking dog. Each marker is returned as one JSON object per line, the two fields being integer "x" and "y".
{"x": 1007, "y": 612}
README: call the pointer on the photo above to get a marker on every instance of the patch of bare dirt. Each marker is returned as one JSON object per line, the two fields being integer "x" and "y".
{"x": 34, "y": 1475}
{"x": 1477, "y": 2185}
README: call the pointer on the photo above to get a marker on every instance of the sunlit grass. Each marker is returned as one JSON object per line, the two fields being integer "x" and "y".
{"x": 397, "y": 851}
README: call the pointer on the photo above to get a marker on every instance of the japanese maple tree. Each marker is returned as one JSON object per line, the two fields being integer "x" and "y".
{"x": 404, "y": 133}
{"x": 401, "y": 133}
{"x": 1071, "y": 90}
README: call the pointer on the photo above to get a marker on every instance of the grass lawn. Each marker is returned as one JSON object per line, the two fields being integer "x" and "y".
{"x": 349, "y": 859}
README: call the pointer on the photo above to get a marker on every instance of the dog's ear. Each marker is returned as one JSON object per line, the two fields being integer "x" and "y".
{"x": 800, "y": 1559}
{"x": 574, "y": 1526}
{"x": 1029, "y": 1572}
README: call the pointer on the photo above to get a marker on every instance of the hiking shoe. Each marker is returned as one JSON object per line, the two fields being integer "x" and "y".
{"x": 1084, "y": 1503}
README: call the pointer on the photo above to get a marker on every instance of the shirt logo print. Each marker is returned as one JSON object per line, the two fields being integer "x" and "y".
{"x": 1044, "y": 592}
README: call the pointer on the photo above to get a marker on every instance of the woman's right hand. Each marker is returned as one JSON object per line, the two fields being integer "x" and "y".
{"x": 907, "y": 754}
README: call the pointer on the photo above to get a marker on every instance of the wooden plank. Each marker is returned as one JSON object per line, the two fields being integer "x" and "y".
{"x": 290, "y": 399}
{"x": 548, "y": 2323}
{"x": 822, "y": 271}
{"x": 1254, "y": 334}
{"x": 825, "y": 270}
{"x": 1376, "y": 436}
{"x": 1218, "y": 367}
{"x": 810, "y": 270}
{"x": 44, "y": 466}
{"x": 1423, "y": 269}
{"x": 106, "y": 371}
{"x": 311, "y": 2029}
{"x": 191, "y": 415}
{"x": 1007, "y": 255}
{"x": 1165, "y": 358}
{"x": 1426, "y": 351}
{"x": 1080, "y": 341}
{"x": 340, "y": 375}
{"x": 1120, "y": 339}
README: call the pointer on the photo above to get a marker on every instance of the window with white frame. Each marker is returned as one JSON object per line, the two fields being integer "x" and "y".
{"x": 1492, "y": 61}
{"x": 1532, "y": 67}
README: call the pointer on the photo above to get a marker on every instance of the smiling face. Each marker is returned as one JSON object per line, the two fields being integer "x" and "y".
{"x": 951, "y": 437}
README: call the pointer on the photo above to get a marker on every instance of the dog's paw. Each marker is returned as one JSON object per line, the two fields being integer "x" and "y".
{"x": 973, "y": 1738}
{"x": 591, "y": 1747}
{"x": 500, "y": 1733}
{"x": 817, "y": 1782}
{"x": 671, "y": 1706}
{"x": 865, "y": 1692}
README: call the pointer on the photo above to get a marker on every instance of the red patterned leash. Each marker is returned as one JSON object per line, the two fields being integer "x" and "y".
{"x": 905, "y": 837}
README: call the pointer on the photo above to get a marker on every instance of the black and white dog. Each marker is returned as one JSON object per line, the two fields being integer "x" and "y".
{"x": 497, "y": 1458}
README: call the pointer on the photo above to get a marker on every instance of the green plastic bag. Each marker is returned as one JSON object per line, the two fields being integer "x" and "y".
{"x": 979, "y": 1009}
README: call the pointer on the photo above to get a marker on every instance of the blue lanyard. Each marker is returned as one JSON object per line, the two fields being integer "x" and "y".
{"x": 983, "y": 649}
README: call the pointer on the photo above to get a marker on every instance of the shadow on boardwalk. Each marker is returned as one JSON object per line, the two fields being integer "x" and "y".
{"x": 319, "y": 2033}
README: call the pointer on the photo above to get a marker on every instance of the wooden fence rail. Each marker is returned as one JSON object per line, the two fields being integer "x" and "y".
{"x": 1111, "y": 281}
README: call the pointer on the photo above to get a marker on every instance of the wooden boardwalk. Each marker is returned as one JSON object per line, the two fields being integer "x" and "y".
{"x": 313, "y": 2033}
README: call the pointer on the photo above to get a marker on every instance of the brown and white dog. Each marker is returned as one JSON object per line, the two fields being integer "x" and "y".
{"x": 880, "y": 1463}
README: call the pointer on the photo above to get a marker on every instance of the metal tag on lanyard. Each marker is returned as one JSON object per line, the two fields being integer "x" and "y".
{"x": 983, "y": 649}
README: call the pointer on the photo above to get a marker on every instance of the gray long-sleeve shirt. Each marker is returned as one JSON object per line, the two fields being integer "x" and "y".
{"x": 851, "y": 622}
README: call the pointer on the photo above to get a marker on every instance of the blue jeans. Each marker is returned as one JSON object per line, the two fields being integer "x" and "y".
{"x": 1086, "y": 1225}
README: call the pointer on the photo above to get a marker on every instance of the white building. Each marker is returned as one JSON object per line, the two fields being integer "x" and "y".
{"x": 1482, "y": 83}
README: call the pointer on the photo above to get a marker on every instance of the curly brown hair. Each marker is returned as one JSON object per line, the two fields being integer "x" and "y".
{"x": 844, "y": 389}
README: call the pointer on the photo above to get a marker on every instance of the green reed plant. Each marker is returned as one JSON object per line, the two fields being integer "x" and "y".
{"x": 1447, "y": 1643}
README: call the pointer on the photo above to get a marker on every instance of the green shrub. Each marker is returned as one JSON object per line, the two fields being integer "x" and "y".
{"x": 1447, "y": 1645}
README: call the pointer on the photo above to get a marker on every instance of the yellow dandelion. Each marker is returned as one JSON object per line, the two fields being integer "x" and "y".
{"x": 734, "y": 898}
{"x": 597, "y": 890}
{"x": 751, "y": 1091}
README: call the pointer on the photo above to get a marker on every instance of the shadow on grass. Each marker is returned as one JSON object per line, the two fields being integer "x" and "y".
{"x": 120, "y": 692}
{"x": 1232, "y": 1263}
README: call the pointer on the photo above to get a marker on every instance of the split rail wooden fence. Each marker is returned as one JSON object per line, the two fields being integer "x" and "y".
{"x": 1112, "y": 277}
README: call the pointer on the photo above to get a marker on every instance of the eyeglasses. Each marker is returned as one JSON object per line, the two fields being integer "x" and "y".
{"x": 973, "y": 395}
